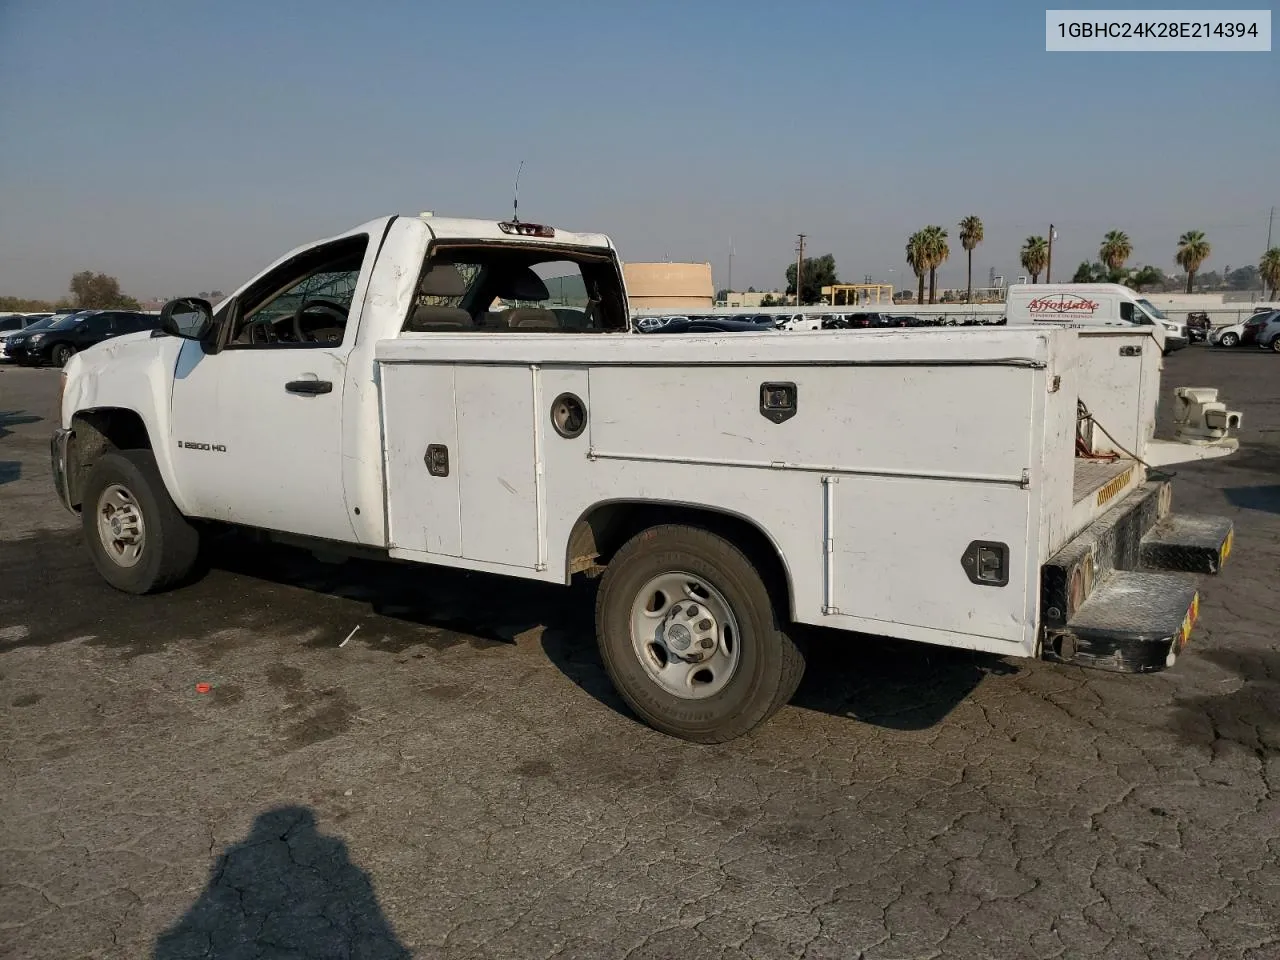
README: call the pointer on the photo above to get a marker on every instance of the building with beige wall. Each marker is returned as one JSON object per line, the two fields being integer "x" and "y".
{"x": 678, "y": 286}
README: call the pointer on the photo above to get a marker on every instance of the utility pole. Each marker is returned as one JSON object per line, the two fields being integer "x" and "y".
{"x": 1270, "y": 220}
{"x": 799, "y": 265}
{"x": 730, "y": 266}
{"x": 1048, "y": 261}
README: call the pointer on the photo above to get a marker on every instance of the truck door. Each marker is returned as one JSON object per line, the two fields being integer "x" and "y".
{"x": 257, "y": 426}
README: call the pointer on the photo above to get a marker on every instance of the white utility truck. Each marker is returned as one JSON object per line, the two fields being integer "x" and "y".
{"x": 987, "y": 489}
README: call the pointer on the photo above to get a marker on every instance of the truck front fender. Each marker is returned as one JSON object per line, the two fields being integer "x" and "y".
{"x": 118, "y": 395}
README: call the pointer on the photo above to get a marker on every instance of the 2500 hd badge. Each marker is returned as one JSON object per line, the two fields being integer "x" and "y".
{"x": 188, "y": 445}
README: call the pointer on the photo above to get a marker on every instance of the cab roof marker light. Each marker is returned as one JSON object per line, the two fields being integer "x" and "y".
{"x": 526, "y": 229}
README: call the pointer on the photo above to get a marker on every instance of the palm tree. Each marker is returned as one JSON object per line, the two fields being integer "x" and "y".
{"x": 970, "y": 237}
{"x": 937, "y": 251}
{"x": 1115, "y": 249}
{"x": 1035, "y": 257}
{"x": 918, "y": 258}
{"x": 1269, "y": 267}
{"x": 1193, "y": 250}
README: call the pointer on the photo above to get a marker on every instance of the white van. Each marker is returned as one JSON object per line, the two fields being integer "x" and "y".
{"x": 1091, "y": 305}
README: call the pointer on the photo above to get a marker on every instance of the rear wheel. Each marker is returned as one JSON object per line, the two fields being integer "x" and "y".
{"x": 61, "y": 353}
{"x": 139, "y": 541}
{"x": 1275, "y": 344}
{"x": 690, "y": 635}
{"x": 1229, "y": 339}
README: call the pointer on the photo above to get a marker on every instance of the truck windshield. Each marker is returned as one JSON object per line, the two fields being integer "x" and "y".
{"x": 1152, "y": 309}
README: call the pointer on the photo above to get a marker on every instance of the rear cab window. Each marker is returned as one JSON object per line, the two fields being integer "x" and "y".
{"x": 496, "y": 288}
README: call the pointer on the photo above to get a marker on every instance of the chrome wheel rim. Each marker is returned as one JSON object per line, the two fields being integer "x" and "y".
{"x": 685, "y": 635}
{"x": 120, "y": 525}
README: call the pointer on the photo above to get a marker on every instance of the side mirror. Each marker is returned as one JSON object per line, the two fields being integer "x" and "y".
{"x": 187, "y": 317}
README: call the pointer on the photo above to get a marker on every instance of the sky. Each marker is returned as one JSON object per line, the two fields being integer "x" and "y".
{"x": 181, "y": 147}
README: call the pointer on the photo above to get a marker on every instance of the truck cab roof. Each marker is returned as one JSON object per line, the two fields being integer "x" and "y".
{"x": 461, "y": 228}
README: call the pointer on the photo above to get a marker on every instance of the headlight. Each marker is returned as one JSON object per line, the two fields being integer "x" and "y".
{"x": 35, "y": 338}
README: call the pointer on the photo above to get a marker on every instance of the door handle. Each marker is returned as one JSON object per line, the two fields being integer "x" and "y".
{"x": 311, "y": 387}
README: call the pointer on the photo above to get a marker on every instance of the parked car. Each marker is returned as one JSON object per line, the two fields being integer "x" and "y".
{"x": 704, "y": 325}
{"x": 14, "y": 322}
{"x": 14, "y": 346}
{"x": 67, "y": 336}
{"x": 1268, "y": 335}
{"x": 1246, "y": 332}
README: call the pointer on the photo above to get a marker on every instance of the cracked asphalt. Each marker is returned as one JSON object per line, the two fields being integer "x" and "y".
{"x": 458, "y": 780}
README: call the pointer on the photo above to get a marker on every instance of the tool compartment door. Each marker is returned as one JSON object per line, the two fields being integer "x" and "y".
{"x": 459, "y": 448}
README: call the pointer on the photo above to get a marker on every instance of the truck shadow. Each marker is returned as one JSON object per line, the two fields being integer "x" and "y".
{"x": 285, "y": 891}
{"x": 1263, "y": 498}
{"x": 1245, "y": 716}
{"x": 887, "y": 683}
{"x": 15, "y": 418}
{"x": 10, "y": 470}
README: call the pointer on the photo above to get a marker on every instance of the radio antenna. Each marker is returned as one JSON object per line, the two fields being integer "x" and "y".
{"x": 515, "y": 213}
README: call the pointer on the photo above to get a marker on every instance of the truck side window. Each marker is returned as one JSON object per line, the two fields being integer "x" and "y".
{"x": 302, "y": 303}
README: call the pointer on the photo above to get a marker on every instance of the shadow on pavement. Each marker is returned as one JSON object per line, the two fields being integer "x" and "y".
{"x": 888, "y": 683}
{"x": 1264, "y": 498}
{"x": 1246, "y": 715}
{"x": 895, "y": 684}
{"x": 15, "y": 418}
{"x": 285, "y": 891}
{"x": 10, "y": 470}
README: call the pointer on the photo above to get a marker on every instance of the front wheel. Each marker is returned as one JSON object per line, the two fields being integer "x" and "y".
{"x": 1275, "y": 344}
{"x": 61, "y": 354}
{"x": 139, "y": 541}
{"x": 690, "y": 635}
{"x": 1229, "y": 340}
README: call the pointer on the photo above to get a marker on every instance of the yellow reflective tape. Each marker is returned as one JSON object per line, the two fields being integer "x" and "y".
{"x": 1112, "y": 487}
{"x": 1225, "y": 550}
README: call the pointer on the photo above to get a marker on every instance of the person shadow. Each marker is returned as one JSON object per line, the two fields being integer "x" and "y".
{"x": 286, "y": 892}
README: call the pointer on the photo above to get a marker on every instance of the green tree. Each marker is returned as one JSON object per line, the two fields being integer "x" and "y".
{"x": 819, "y": 272}
{"x": 1147, "y": 276}
{"x": 1089, "y": 272}
{"x": 918, "y": 259}
{"x": 768, "y": 301}
{"x": 1115, "y": 249}
{"x": 1035, "y": 256}
{"x": 970, "y": 237}
{"x": 1244, "y": 278}
{"x": 1193, "y": 250}
{"x": 1269, "y": 268}
{"x": 23, "y": 305}
{"x": 97, "y": 291}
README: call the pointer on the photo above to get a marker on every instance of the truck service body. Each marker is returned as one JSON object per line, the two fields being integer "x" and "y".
{"x": 983, "y": 488}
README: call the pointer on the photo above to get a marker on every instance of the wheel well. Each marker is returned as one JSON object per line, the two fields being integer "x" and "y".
{"x": 97, "y": 432}
{"x": 603, "y": 529}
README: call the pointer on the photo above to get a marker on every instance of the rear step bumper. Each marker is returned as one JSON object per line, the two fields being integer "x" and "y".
{"x": 1118, "y": 597}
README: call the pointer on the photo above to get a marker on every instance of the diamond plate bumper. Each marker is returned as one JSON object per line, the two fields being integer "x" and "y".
{"x": 1118, "y": 596}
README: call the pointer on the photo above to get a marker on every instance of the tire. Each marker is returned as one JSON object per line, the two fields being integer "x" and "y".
{"x": 746, "y": 687}
{"x": 1275, "y": 344}
{"x": 61, "y": 353}
{"x": 128, "y": 482}
{"x": 1229, "y": 340}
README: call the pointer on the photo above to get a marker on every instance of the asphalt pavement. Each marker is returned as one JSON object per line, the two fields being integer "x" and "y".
{"x": 459, "y": 781}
